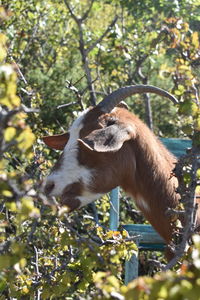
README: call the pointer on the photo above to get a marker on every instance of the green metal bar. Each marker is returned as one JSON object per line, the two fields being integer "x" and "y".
{"x": 177, "y": 146}
{"x": 114, "y": 209}
{"x": 131, "y": 267}
{"x": 146, "y": 234}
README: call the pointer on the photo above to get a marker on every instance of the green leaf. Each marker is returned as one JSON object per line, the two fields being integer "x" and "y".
{"x": 188, "y": 108}
{"x": 3, "y": 284}
{"x": 5, "y": 261}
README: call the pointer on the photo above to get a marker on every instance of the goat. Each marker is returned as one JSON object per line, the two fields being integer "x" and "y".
{"x": 108, "y": 146}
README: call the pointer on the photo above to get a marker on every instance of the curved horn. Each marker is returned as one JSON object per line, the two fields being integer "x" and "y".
{"x": 110, "y": 101}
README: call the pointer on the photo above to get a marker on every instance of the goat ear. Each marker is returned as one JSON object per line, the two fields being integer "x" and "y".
{"x": 109, "y": 139}
{"x": 57, "y": 142}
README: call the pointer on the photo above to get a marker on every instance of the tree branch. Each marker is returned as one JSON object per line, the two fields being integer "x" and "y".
{"x": 91, "y": 47}
{"x": 77, "y": 20}
{"x": 87, "y": 11}
{"x": 82, "y": 47}
{"x": 188, "y": 196}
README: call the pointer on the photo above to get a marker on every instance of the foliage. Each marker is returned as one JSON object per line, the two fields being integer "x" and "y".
{"x": 165, "y": 285}
{"x": 44, "y": 253}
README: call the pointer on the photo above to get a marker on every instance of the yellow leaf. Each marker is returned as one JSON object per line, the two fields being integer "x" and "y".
{"x": 5, "y": 101}
{"x": 7, "y": 193}
{"x": 114, "y": 73}
{"x": 184, "y": 67}
{"x": 9, "y": 133}
{"x": 22, "y": 262}
{"x": 3, "y": 39}
{"x": 195, "y": 39}
{"x": 11, "y": 206}
{"x": 15, "y": 100}
{"x": 197, "y": 123}
{"x": 3, "y": 51}
{"x": 28, "y": 209}
{"x": 25, "y": 290}
{"x": 27, "y": 205}
{"x": 98, "y": 276}
{"x": 197, "y": 191}
{"x": 113, "y": 281}
{"x": 25, "y": 139}
{"x": 92, "y": 66}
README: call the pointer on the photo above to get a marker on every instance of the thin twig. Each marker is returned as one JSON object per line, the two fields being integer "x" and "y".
{"x": 66, "y": 105}
{"x": 77, "y": 20}
{"x": 38, "y": 274}
{"x": 19, "y": 71}
{"x": 85, "y": 15}
{"x": 93, "y": 45}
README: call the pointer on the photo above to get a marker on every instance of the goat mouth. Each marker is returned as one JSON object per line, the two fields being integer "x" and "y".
{"x": 50, "y": 201}
{"x": 71, "y": 203}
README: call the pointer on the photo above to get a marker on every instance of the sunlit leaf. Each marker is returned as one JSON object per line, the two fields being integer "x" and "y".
{"x": 25, "y": 139}
{"x": 9, "y": 133}
{"x": 195, "y": 39}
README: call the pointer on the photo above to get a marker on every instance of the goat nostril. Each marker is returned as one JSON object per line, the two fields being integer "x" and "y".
{"x": 49, "y": 187}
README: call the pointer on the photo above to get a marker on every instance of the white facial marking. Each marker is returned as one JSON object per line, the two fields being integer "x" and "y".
{"x": 88, "y": 197}
{"x": 70, "y": 171}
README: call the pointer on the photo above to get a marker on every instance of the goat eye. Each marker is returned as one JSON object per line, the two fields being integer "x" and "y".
{"x": 111, "y": 122}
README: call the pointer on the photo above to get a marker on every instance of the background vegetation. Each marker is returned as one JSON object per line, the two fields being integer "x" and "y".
{"x": 58, "y": 57}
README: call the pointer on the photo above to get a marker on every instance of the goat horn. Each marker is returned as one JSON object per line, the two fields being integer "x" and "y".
{"x": 110, "y": 101}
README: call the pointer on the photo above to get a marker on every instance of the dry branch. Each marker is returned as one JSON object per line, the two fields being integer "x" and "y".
{"x": 188, "y": 199}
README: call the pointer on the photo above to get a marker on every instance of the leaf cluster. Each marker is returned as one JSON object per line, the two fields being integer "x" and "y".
{"x": 44, "y": 255}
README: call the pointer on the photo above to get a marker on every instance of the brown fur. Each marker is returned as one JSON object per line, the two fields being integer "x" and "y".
{"x": 142, "y": 166}
{"x": 70, "y": 194}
